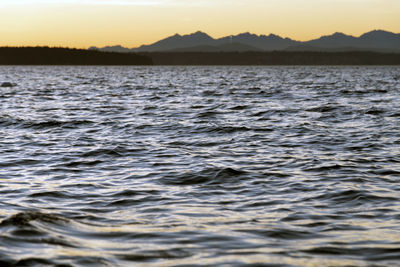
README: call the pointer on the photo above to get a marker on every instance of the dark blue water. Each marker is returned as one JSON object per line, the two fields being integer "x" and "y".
{"x": 169, "y": 166}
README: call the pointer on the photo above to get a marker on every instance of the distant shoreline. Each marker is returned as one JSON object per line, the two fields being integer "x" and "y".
{"x": 67, "y": 56}
{"x": 274, "y": 58}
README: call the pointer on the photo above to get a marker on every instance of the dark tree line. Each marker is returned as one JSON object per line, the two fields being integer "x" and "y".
{"x": 67, "y": 56}
{"x": 274, "y": 58}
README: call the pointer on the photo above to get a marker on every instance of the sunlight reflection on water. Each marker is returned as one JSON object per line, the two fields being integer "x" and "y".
{"x": 114, "y": 166}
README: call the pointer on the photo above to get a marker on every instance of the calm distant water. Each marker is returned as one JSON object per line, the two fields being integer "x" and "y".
{"x": 169, "y": 166}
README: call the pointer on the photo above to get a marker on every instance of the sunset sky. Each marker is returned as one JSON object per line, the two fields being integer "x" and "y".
{"x": 83, "y": 23}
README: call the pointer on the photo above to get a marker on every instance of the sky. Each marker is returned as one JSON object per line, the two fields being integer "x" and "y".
{"x": 131, "y": 23}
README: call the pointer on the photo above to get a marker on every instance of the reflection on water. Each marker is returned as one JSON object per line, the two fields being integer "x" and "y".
{"x": 115, "y": 166}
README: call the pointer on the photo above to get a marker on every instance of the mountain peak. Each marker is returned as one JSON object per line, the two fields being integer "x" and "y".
{"x": 339, "y": 34}
{"x": 381, "y": 38}
{"x": 377, "y": 33}
{"x": 198, "y": 34}
{"x": 274, "y": 36}
{"x": 332, "y": 39}
{"x": 247, "y": 34}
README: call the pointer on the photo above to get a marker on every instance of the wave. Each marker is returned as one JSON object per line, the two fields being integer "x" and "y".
{"x": 7, "y": 121}
{"x": 25, "y": 218}
{"x": 215, "y": 176}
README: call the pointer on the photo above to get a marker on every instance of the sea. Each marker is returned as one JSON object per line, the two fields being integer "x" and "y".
{"x": 200, "y": 166}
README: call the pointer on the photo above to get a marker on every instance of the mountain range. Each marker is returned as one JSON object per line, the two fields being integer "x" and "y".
{"x": 376, "y": 40}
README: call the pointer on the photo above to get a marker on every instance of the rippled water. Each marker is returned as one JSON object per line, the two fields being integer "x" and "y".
{"x": 235, "y": 166}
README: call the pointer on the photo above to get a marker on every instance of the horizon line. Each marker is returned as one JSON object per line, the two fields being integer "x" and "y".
{"x": 198, "y": 31}
{"x": 247, "y": 32}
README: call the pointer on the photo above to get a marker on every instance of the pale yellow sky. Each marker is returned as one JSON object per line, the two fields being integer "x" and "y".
{"x": 83, "y": 23}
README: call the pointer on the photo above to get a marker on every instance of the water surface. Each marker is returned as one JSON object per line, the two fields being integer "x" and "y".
{"x": 235, "y": 166}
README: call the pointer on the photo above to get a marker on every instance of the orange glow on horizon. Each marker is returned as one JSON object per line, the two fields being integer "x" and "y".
{"x": 131, "y": 23}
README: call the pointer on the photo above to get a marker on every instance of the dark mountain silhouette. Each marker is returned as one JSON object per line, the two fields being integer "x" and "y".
{"x": 262, "y": 42}
{"x": 205, "y": 43}
{"x": 335, "y": 40}
{"x": 377, "y": 41}
{"x": 178, "y": 41}
{"x": 382, "y": 39}
{"x": 225, "y": 47}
